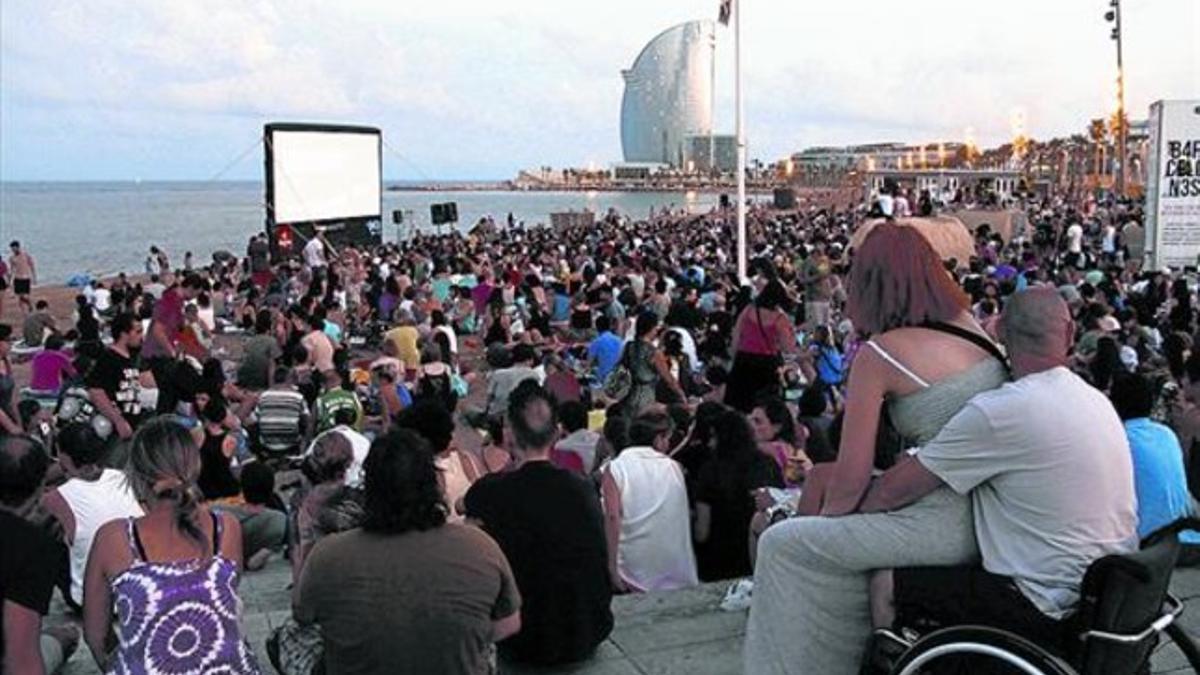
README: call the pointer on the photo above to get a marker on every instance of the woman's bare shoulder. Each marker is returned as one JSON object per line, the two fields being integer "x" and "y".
{"x": 110, "y": 545}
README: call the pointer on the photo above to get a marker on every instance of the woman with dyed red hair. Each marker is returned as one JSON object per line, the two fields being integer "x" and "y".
{"x": 925, "y": 359}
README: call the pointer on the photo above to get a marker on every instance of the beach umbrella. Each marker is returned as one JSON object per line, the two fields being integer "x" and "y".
{"x": 948, "y": 236}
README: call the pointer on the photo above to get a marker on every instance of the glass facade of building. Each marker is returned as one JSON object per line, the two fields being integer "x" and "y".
{"x": 668, "y": 94}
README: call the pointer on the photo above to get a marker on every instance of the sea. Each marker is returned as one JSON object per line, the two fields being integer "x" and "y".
{"x": 101, "y": 228}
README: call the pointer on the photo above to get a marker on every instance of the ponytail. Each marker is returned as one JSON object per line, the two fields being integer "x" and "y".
{"x": 164, "y": 464}
{"x": 186, "y": 500}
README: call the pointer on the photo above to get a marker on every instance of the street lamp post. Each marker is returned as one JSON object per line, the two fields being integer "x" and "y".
{"x": 740, "y": 123}
{"x": 1113, "y": 16}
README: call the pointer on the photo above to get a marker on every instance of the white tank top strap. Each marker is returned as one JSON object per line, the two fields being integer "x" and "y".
{"x": 897, "y": 365}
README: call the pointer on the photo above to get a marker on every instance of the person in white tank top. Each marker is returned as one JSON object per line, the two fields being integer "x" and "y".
{"x": 646, "y": 512}
{"x": 91, "y": 497}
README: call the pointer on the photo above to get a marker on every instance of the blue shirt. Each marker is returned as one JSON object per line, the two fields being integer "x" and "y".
{"x": 561, "y": 311}
{"x": 605, "y": 350}
{"x": 333, "y": 331}
{"x": 1158, "y": 477}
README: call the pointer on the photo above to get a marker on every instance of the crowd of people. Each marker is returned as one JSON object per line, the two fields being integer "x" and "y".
{"x": 466, "y": 444}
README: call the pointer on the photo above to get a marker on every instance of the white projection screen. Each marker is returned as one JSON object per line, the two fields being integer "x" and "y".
{"x": 323, "y": 173}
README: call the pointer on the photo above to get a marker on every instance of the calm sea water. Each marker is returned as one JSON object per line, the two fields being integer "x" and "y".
{"x": 104, "y": 228}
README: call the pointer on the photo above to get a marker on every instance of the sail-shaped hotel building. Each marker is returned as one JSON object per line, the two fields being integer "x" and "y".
{"x": 669, "y": 94}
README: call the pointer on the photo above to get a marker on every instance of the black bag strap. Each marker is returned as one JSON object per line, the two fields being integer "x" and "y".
{"x": 974, "y": 338}
{"x": 763, "y": 330}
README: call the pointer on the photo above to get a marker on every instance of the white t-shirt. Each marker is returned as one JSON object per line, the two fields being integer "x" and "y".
{"x": 450, "y": 337}
{"x": 1047, "y": 465}
{"x": 637, "y": 282}
{"x": 886, "y": 204}
{"x": 314, "y": 253}
{"x": 208, "y": 317}
{"x": 1075, "y": 238}
{"x": 360, "y": 445}
{"x": 101, "y": 299}
{"x": 689, "y": 348}
{"x": 1110, "y": 239}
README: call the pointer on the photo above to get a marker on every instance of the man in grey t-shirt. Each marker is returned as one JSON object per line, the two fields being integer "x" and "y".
{"x": 1044, "y": 459}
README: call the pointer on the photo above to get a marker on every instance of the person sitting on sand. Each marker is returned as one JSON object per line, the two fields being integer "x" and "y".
{"x": 51, "y": 367}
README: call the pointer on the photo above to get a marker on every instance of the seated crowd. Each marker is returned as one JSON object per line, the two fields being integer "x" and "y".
{"x": 465, "y": 445}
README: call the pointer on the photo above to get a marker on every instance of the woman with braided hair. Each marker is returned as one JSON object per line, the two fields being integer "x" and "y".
{"x": 172, "y": 575}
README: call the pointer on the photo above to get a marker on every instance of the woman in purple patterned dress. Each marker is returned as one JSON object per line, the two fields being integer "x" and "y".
{"x": 171, "y": 575}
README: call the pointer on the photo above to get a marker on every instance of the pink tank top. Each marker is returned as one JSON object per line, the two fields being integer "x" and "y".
{"x": 758, "y": 338}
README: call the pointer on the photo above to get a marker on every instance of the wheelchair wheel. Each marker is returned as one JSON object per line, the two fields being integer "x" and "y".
{"x": 1186, "y": 644}
{"x": 978, "y": 649}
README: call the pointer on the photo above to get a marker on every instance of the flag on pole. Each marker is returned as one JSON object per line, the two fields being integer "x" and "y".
{"x": 724, "y": 11}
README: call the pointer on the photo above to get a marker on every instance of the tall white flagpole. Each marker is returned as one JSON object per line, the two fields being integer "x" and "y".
{"x": 741, "y": 142}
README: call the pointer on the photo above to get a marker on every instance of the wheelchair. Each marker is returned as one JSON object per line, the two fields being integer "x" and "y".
{"x": 1124, "y": 612}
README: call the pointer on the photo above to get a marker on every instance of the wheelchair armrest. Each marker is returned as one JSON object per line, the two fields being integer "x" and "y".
{"x": 1175, "y": 608}
{"x": 1185, "y": 523}
{"x": 1133, "y": 568}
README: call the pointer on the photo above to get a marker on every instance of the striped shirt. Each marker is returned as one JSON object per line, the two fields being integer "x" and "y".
{"x": 280, "y": 419}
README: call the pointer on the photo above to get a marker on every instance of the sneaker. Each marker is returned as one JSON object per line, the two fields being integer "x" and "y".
{"x": 738, "y": 596}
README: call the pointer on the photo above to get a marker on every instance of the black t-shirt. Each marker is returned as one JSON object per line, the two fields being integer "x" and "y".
{"x": 216, "y": 477}
{"x": 549, "y": 524}
{"x": 259, "y": 253}
{"x": 438, "y": 388}
{"x": 581, "y": 318}
{"x": 685, "y": 315}
{"x": 30, "y": 562}
{"x": 726, "y": 489}
{"x": 118, "y": 376}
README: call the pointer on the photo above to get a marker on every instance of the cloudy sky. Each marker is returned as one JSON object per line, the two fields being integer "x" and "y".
{"x": 179, "y": 89}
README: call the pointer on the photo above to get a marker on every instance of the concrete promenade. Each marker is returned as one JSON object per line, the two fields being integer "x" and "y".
{"x": 674, "y": 633}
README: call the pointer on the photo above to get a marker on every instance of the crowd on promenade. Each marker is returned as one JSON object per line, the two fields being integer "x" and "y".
{"x": 640, "y": 418}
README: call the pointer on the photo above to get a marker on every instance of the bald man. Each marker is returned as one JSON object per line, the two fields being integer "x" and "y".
{"x": 1046, "y": 470}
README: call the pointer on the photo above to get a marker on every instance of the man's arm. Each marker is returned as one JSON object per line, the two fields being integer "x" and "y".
{"x": 965, "y": 453}
{"x": 160, "y": 334}
{"x": 506, "y": 627}
{"x": 56, "y": 506}
{"x": 899, "y": 486}
{"x": 104, "y": 404}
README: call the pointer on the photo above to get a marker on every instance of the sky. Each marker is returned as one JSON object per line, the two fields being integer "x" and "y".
{"x": 478, "y": 89}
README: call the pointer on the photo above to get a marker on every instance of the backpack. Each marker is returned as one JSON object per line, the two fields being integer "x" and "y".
{"x": 619, "y": 382}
